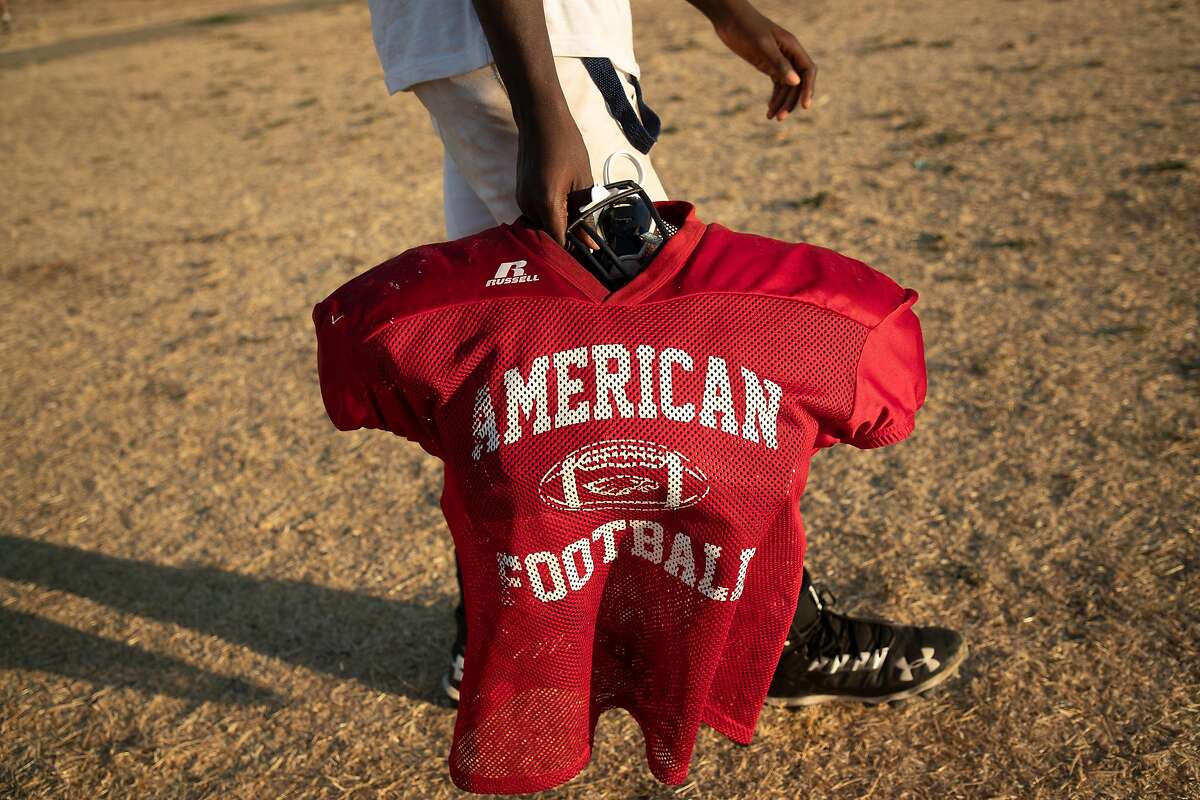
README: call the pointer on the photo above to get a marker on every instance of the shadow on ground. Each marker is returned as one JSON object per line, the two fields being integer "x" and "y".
{"x": 390, "y": 646}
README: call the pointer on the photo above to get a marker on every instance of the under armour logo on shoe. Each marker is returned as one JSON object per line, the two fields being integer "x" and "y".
{"x": 511, "y": 272}
{"x": 926, "y": 660}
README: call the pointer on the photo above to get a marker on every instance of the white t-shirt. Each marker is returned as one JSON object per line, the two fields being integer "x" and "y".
{"x": 422, "y": 40}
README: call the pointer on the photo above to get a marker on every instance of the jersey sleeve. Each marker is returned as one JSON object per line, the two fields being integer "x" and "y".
{"x": 354, "y": 394}
{"x": 889, "y": 381}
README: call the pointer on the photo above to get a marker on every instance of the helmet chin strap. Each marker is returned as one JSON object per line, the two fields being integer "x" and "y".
{"x": 618, "y": 232}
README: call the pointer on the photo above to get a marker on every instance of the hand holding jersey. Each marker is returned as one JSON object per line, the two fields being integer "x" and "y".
{"x": 622, "y": 476}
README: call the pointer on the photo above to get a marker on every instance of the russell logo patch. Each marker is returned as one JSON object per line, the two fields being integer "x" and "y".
{"x": 511, "y": 272}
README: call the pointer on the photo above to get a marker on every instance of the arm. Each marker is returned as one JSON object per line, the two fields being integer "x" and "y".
{"x": 552, "y": 161}
{"x": 768, "y": 48}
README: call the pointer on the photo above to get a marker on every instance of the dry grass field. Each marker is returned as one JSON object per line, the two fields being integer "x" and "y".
{"x": 207, "y": 592}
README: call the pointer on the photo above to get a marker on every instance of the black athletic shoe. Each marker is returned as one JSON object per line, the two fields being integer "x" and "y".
{"x": 836, "y": 658}
{"x": 452, "y": 680}
{"x": 458, "y": 651}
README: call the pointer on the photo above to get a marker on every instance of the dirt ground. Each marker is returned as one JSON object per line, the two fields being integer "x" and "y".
{"x": 205, "y": 591}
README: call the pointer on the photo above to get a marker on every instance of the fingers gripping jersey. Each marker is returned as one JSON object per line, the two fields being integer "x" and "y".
{"x": 623, "y": 469}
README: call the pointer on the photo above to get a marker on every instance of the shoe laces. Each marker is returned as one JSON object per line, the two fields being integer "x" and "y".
{"x": 836, "y": 634}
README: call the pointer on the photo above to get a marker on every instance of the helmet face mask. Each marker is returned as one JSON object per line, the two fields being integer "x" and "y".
{"x": 618, "y": 233}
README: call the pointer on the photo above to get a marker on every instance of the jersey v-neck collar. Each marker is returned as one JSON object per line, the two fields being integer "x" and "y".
{"x": 665, "y": 265}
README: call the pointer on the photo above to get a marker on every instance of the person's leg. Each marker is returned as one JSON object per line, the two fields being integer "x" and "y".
{"x": 472, "y": 116}
{"x": 458, "y": 651}
{"x": 465, "y": 213}
{"x": 828, "y": 656}
{"x": 832, "y": 657}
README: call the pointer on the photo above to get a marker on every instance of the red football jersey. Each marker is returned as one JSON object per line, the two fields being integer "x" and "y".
{"x": 623, "y": 469}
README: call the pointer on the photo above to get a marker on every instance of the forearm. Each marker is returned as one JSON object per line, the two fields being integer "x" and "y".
{"x": 516, "y": 32}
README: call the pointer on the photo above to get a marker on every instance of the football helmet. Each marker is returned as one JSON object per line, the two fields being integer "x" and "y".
{"x": 618, "y": 232}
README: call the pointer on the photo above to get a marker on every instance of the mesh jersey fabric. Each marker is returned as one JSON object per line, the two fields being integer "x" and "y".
{"x": 623, "y": 469}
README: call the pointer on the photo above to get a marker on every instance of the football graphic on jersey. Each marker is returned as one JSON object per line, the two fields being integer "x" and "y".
{"x": 623, "y": 473}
